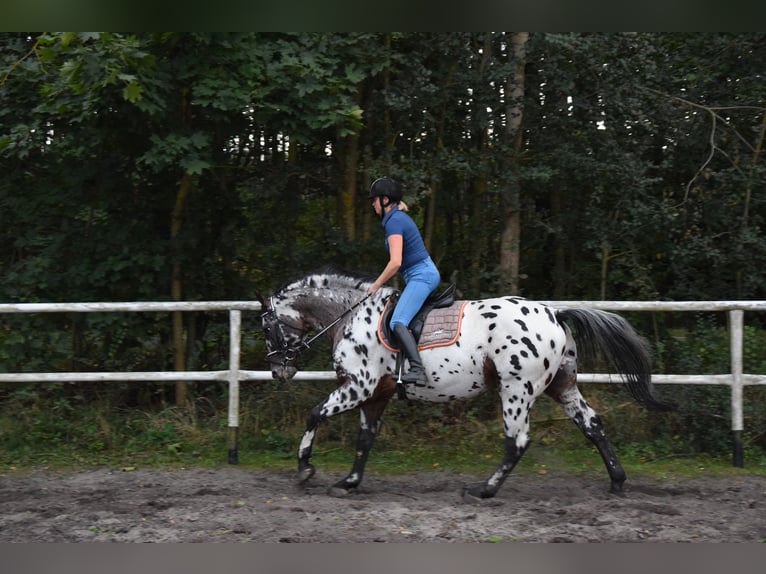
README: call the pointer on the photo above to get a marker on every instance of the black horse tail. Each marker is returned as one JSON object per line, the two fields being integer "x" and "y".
{"x": 600, "y": 333}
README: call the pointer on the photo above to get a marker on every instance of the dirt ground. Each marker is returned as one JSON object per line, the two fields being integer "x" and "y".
{"x": 234, "y": 504}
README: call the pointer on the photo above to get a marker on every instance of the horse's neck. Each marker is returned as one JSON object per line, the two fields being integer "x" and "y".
{"x": 322, "y": 306}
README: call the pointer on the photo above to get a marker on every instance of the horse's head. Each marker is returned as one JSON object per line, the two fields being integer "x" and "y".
{"x": 319, "y": 302}
{"x": 284, "y": 340}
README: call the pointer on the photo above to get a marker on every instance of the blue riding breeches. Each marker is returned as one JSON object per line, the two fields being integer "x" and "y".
{"x": 420, "y": 281}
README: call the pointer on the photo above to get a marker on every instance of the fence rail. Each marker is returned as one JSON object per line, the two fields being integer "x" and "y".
{"x": 736, "y": 379}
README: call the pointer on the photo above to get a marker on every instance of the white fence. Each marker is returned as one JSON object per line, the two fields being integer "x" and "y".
{"x": 736, "y": 379}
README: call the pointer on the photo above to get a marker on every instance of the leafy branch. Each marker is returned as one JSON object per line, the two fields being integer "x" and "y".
{"x": 715, "y": 116}
{"x": 33, "y": 50}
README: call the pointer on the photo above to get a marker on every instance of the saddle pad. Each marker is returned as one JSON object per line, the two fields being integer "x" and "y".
{"x": 441, "y": 328}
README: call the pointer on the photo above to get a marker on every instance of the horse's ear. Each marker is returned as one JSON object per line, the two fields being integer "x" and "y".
{"x": 261, "y": 299}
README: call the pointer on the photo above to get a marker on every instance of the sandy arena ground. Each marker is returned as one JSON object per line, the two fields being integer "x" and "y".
{"x": 234, "y": 504}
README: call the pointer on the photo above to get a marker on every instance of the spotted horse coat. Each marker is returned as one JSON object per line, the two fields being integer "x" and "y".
{"x": 513, "y": 346}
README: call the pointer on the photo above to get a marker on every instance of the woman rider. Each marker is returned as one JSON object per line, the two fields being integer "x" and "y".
{"x": 408, "y": 254}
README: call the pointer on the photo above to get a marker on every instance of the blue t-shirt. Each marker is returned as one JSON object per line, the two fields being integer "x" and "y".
{"x": 396, "y": 222}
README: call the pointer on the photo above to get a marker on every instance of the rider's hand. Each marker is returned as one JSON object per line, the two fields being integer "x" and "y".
{"x": 372, "y": 289}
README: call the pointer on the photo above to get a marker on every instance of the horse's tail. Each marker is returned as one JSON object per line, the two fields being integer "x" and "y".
{"x": 606, "y": 334}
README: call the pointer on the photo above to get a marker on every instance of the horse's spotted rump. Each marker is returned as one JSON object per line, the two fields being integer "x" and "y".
{"x": 529, "y": 388}
{"x": 530, "y": 346}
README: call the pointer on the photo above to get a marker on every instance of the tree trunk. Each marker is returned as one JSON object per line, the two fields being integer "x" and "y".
{"x": 368, "y": 217}
{"x": 753, "y": 163}
{"x": 389, "y": 137}
{"x": 606, "y": 255}
{"x": 346, "y": 216}
{"x": 176, "y": 289}
{"x": 478, "y": 233}
{"x": 436, "y": 184}
{"x": 510, "y": 240}
{"x": 559, "y": 272}
{"x": 429, "y": 223}
{"x": 749, "y": 192}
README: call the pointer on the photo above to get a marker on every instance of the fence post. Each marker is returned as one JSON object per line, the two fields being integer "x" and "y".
{"x": 235, "y": 321}
{"x": 736, "y": 321}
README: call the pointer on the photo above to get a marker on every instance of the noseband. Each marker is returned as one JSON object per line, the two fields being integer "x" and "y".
{"x": 286, "y": 354}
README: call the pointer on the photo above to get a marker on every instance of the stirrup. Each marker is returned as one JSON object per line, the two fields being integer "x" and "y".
{"x": 416, "y": 377}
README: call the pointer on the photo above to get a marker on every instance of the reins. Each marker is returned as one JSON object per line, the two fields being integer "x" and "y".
{"x": 290, "y": 353}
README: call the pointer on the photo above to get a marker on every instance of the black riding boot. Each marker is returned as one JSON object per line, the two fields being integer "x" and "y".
{"x": 409, "y": 347}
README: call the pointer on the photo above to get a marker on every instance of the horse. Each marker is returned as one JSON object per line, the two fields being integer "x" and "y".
{"x": 518, "y": 347}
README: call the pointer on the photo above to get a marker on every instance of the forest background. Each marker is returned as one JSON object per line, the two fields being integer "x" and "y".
{"x": 209, "y": 166}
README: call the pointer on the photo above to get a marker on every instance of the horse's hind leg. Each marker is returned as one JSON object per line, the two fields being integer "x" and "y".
{"x": 515, "y": 446}
{"x": 563, "y": 389}
{"x": 516, "y": 428}
{"x": 371, "y": 420}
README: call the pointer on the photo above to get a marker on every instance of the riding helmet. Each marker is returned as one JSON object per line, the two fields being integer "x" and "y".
{"x": 387, "y": 187}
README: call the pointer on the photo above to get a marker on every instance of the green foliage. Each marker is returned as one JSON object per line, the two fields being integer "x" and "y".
{"x": 37, "y": 430}
{"x": 98, "y": 129}
{"x": 703, "y": 423}
{"x": 219, "y": 160}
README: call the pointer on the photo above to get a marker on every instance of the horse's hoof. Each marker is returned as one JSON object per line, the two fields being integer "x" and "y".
{"x": 477, "y": 495}
{"x": 338, "y": 491}
{"x": 305, "y": 474}
{"x": 617, "y": 490}
{"x": 470, "y": 498}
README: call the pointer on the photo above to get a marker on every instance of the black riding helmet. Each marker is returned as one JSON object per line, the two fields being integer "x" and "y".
{"x": 386, "y": 187}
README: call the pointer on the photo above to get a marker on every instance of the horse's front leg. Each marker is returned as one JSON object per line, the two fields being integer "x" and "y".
{"x": 368, "y": 430}
{"x": 371, "y": 420}
{"x": 347, "y": 396}
{"x": 305, "y": 469}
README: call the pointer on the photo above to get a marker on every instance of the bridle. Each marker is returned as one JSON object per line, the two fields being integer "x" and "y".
{"x": 285, "y": 353}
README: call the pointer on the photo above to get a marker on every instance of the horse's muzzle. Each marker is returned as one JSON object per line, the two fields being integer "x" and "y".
{"x": 283, "y": 372}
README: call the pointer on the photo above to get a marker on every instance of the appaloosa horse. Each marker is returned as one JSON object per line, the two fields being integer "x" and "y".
{"x": 517, "y": 347}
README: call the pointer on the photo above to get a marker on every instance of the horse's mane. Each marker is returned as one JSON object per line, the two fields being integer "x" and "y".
{"x": 330, "y": 276}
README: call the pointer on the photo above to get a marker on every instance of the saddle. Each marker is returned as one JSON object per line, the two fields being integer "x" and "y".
{"x": 436, "y": 324}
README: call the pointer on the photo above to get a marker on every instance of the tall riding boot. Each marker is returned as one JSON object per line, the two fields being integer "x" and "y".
{"x": 416, "y": 374}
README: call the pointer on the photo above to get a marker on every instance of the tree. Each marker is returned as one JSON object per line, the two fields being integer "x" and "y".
{"x": 177, "y": 113}
{"x": 510, "y": 243}
{"x": 202, "y": 165}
